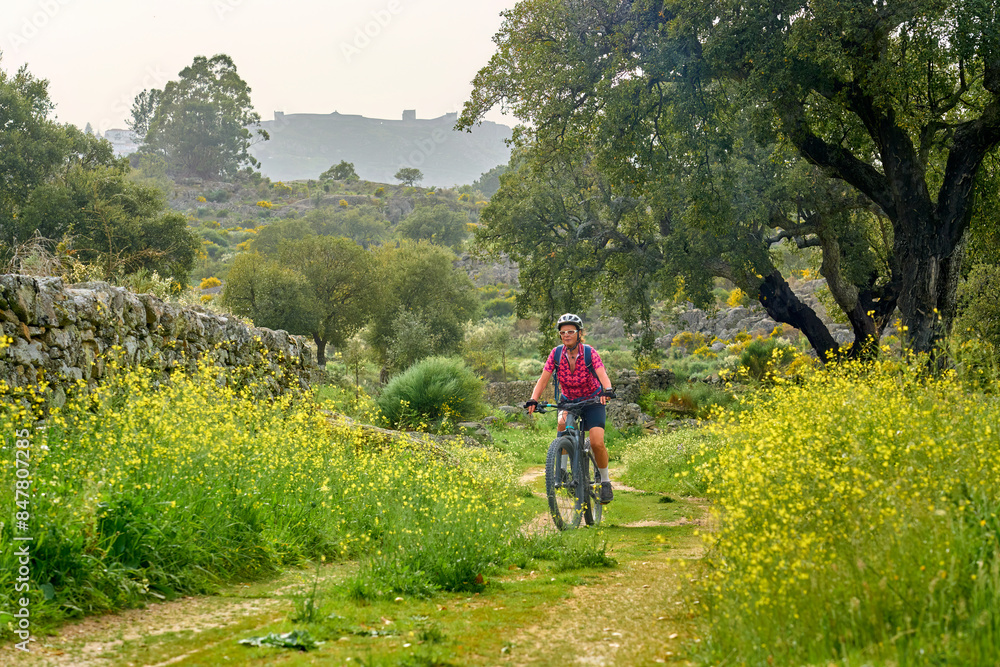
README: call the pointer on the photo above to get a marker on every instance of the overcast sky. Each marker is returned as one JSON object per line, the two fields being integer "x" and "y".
{"x": 368, "y": 57}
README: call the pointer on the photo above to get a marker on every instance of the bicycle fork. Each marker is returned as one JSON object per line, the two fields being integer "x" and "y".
{"x": 579, "y": 454}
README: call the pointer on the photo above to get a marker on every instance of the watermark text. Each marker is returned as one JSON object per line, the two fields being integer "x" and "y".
{"x": 363, "y": 35}
{"x": 22, "y": 537}
{"x": 33, "y": 24}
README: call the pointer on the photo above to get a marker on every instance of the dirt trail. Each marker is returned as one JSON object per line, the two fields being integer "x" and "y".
{"x": 633, "y": 611}
{"x": 93, "y": 641}
{"x": 637, "y": 613}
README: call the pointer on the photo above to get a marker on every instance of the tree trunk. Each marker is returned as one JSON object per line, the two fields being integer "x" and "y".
{"x": 320, "y": 351}
{"x": 856, "y": 303}
{"x": 782, "y": 305}
{"x": 930, "y": 266}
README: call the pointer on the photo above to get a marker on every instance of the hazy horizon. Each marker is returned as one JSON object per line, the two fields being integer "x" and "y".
{"x": 370, "y": 58}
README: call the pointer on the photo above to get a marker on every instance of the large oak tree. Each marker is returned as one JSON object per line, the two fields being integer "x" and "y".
{"x": 894, "y": 104}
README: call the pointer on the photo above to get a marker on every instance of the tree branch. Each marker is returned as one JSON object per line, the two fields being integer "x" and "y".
{"x": 970, "y": 144}
{"x": 836, "y": 159}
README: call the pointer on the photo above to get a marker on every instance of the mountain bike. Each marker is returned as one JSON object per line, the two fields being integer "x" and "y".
{"x": 573, "y": 483}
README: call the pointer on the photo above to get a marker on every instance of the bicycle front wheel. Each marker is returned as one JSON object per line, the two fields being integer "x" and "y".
{"x": 561, "y": 485}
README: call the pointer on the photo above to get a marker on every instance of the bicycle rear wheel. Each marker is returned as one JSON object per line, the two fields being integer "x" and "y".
{"x": 561, "y": 487}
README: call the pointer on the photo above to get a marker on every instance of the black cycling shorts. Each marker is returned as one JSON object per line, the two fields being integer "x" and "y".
{"x": 595, "y": 416}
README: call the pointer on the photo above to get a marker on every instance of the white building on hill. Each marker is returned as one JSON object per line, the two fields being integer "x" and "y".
{"x": 123, "y": 141}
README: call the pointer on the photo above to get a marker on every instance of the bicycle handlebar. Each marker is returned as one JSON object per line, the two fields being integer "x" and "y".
{"x": 573, "y": 406}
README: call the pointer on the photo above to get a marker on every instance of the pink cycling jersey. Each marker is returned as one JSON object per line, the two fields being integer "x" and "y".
{"x": 580, "y": 383}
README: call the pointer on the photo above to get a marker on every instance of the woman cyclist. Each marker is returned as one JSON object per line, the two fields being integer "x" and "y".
{"x": 576, "y": 380}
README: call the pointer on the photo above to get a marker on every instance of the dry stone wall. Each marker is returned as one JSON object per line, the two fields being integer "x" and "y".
{"x": 66, "y": 333}
{"x": 513, "y": 393}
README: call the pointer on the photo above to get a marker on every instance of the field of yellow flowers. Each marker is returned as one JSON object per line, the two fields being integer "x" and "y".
{"x": 857, "y": 523}
{"x": 143, "y": 488}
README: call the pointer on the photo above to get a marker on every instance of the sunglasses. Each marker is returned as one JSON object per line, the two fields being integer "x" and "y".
{"x": 569, "y": 332}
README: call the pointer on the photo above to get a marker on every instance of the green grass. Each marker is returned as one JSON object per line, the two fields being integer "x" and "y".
{"x": 671, "y": 462}
{"x": 143, "y": 491}
{"x": 859, "y": 521}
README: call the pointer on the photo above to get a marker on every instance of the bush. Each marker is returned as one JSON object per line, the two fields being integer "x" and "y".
{"x": 499, "y": 307}
{"x": 696, "y": 399}
{"x": 688, "y": 341}
{"x": 976, "y": 331}
{"x": 739, "y": 298}
{"x": 692, "y": 367}
{"x": 214, "y": 237}
{"x": 430, "y": 393}
{"x": 762, "y": 356}
{"x": 217, "y": 196}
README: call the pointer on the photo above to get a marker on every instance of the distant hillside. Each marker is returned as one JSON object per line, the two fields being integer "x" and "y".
{"x": 303, "y": 146}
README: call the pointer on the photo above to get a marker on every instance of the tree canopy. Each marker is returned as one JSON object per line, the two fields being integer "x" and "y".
{"x": 424, "y": 302}
{"x": 66, "y": 185}
{"x": 32, "y": 147}
{"x": 342, "y": 171}
{"x": 437, "y": 224}
{"x": 707, "y": 132}
{"x": 203, "y": 123}
{"x": 409, "y": 175}
{"x": 341, "y": 277}
{"x": 331, "y": 282}
{"x": 143, "y": 109}
{"x": 270, "y": 294}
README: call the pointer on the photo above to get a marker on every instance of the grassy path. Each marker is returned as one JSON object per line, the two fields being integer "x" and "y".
{"x": 638, "y": 612}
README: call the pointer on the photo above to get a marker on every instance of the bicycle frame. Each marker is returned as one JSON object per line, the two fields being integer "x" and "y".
{"x": 579, "y": 490}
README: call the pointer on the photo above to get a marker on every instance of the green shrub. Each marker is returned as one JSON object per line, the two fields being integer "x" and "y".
{"x": 692, "y": 367}
{"x": 976, "y": 332}
{"x": 697, "y": 399}
{"x": 217, "y": 196}
{"x": 499, "y": 307}
{"x": 214, "y": 236}
{"x": 431, "y": 392}
{"x": 763, "y": 355}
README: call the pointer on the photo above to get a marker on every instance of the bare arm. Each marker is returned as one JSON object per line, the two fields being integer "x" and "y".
{"x": 540, "y": 386}
{"x": 602, "y": 375}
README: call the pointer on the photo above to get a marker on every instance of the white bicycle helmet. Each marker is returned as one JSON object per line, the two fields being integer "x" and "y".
{"x": 570, "y": 318}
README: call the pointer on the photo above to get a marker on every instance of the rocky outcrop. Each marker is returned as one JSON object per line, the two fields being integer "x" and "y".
{"x": 625, "y": 412}
{"x": 66, "y": 334}
{"x": 725, "y": 324}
